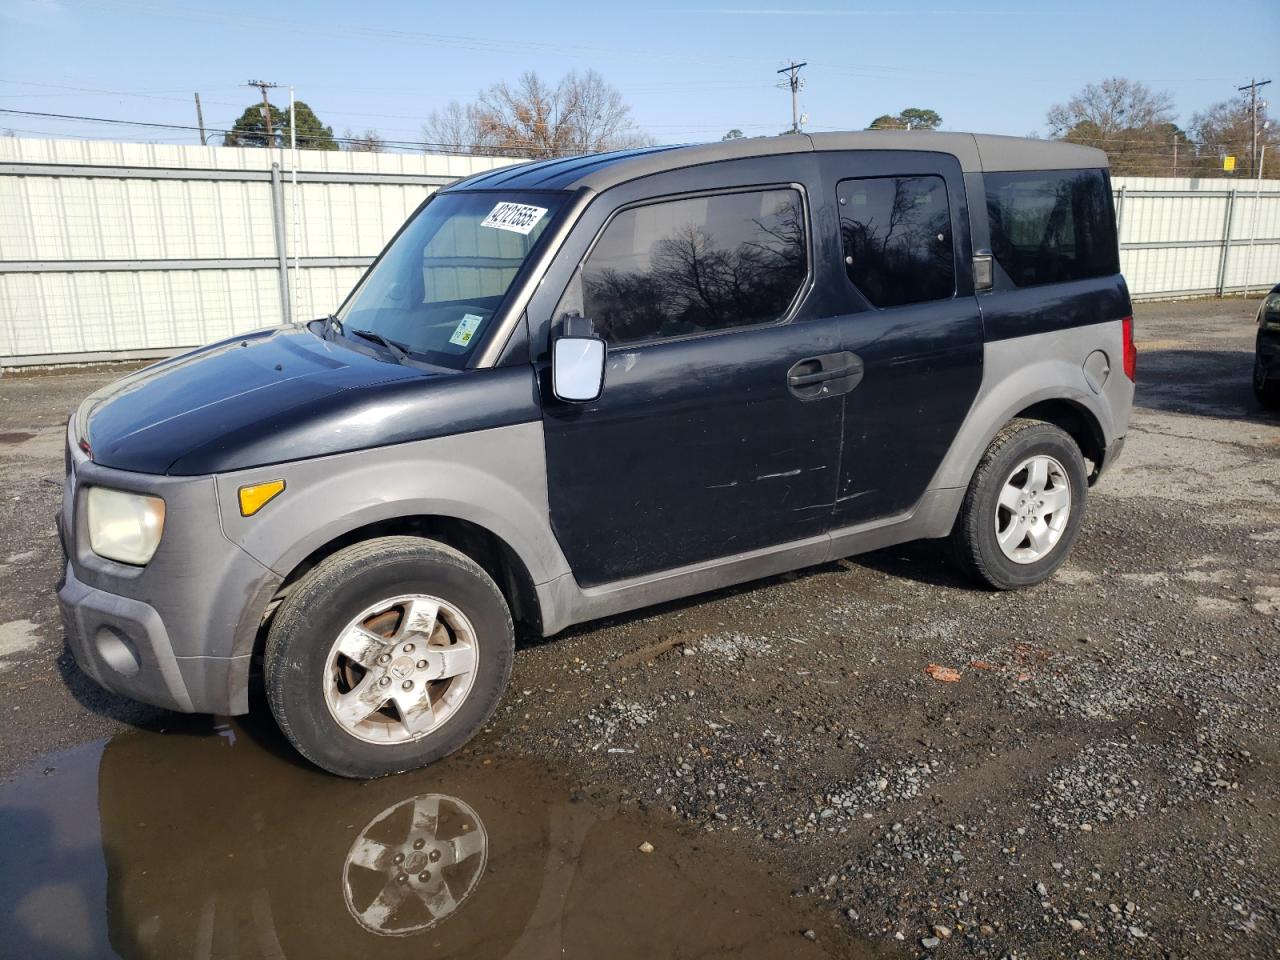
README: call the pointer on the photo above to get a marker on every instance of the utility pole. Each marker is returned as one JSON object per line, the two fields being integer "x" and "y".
{"x": 266, "y": 105}
{"x": 200, "y": 119}
{"x": 795, "y": 83}
{"x": 1252, "y": 86}
{"x": 1175, "y": 154}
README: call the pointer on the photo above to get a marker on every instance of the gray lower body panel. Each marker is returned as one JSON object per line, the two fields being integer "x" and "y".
{"x": 123, "y": 645}
{"x": 178, "y": 633}
{"x": 565, "y": 603}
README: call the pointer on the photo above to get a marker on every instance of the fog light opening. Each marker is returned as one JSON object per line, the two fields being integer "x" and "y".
{"x": 117, "y": 651}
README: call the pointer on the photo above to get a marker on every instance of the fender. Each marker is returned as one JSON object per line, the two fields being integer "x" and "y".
{"x": 494, "y": 478}
{"x": 1023, "y": 371}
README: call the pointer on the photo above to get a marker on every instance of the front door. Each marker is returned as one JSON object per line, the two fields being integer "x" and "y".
{"x": 913, "y": 321}
{"x": 718, "y": 429}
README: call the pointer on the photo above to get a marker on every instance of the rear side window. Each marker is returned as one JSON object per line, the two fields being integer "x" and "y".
{"x": 689, "y": 266}
{"x": 1052, "y": 226}
{"x": 896, "y": 233}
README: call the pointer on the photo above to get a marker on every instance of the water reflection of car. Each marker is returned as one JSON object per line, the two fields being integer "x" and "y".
{"x": 217, "y": 848}
{"x": 1266, "y": 358}
{"x": 227, "y": 847}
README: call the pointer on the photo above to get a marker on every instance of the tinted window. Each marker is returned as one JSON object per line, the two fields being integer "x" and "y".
{"x": 683, "y": 267}
{"x": 897, "y": 239}
{"x": 1052, "y": 226}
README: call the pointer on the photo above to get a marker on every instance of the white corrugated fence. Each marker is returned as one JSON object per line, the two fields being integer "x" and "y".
{"x": 1182, "y": 237}
{"x": 120, "y": 249}
{"x": 123, "y": 249}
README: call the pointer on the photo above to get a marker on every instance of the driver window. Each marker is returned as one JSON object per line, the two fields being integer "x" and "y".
{"x": 683, "y": 267}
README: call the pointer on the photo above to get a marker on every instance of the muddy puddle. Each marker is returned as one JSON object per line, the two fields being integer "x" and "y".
{"x": 216, "y": 843}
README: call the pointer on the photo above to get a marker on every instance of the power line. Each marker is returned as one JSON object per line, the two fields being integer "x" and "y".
{"x": 404, "y": 144}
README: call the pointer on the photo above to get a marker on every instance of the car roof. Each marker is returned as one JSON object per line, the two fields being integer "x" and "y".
{"x": 600, "y": 171}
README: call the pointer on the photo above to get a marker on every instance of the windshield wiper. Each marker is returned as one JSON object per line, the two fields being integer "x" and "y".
{"x": 397, "y": 349}
{"x": 331, "y": 325}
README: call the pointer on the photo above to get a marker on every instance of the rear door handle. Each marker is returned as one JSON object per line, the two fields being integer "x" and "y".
{"x": 829, "y": 375}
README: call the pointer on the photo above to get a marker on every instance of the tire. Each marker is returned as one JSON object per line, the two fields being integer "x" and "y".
{"x": 975, "y": 539}
{"x": 1267, "y": 390}
{"x": 425, "y": 628}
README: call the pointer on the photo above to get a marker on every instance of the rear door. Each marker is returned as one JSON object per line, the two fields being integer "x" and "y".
{"x": 911, "y": 318}
{"x": 718, "y": 429}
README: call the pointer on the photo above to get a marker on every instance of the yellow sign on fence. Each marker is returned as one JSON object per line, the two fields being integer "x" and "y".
{"x": 1229, "y": 164}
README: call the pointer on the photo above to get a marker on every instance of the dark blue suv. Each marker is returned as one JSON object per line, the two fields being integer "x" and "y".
{"x": 581, "y": 386}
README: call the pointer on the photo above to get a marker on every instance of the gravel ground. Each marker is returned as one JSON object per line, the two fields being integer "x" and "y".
{"x": 1102, "y": 779}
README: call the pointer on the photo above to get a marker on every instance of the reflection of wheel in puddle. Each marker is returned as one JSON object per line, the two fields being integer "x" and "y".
{"x": 414, "y": 864}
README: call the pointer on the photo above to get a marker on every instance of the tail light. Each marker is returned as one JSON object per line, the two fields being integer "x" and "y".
{"x": 1130, "y": 349}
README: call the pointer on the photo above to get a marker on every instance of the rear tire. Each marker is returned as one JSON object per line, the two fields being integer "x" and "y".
{"x": 387, "y": 656}
{"x": 1266, "y": 389}
{"x": 1023, "y": 508}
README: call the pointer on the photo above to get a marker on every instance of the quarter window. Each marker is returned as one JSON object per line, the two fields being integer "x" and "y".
{"x": 695, "y": 265}
{"x": 896, "y": 233}
{"x": 1051, "y": 226}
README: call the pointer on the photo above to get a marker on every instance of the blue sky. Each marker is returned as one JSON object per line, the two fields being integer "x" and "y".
{"x": 689, "y": 73}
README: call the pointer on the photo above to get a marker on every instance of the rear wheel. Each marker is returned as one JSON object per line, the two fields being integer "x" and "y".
{"x": 1267, "y": 390}
{"x": 387, "y": 656}
{"x": 1023, "y": 508}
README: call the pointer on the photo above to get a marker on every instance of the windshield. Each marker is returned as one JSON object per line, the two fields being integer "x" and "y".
{"x": 437, "y": 288}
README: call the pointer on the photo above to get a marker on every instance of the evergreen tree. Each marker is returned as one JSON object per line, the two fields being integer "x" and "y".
{"x": 250, "y": 130}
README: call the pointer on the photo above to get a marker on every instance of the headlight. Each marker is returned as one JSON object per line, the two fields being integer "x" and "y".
{"x": 124, "y": 526}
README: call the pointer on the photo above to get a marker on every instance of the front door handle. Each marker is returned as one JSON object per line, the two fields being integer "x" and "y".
{"x": 829, "y": 375}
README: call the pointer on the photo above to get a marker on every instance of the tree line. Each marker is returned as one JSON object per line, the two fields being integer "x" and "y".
{"x": 582, "y": 113}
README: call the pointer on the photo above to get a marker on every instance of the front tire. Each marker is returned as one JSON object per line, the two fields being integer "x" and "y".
{"x": 1023, "y": 508}
{"x": 1265, "y": 389}
{"x": 387, "y": 656}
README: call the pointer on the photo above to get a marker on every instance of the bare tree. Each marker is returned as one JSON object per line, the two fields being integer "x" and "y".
{"x": 580, "y": 114}
{"x": 368, "y": 142}
{"x": 1126, "y": 118}
{"x": 455, "y": 130}
{"x": 1226, "y": 129}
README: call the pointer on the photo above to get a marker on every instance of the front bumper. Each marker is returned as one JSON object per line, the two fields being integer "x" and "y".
{"x": 122, "y": 644}
{"x": 179, "y": 632}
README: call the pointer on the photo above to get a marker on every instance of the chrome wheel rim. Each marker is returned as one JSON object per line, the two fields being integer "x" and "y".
{"x": 414, "y": 864}
{"x": 401, "y": 669}
{"x": 1033, "y": 509}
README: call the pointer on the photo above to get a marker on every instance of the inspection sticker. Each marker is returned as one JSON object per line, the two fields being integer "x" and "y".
{"x": 465, "y": 330}
{"x": 516, "y": 217}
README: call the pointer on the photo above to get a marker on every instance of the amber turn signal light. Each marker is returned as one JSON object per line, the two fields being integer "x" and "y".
{"x": 256, "y": 496}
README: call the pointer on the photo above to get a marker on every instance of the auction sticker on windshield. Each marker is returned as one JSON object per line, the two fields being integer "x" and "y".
{"x": 516, "y": 217}
{"x": 465, "y": 330}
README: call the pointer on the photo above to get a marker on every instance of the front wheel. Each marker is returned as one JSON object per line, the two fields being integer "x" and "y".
{"x": 1023, "y": 508}
{"x": 1266, "y": 389}
{"x": 387, "y": 656}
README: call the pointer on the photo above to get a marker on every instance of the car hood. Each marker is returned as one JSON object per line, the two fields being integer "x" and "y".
{"x": 272, "y": 396}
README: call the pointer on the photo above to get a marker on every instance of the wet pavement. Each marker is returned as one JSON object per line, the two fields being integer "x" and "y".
{"x": 1103, "y": 779}
{"x": 211, "y": 841}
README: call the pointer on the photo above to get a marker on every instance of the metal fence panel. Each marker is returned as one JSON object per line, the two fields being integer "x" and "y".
{"x": 1192, "y": 237}
{"x": 116, "y": 249}
{"x": 135, "y": 249}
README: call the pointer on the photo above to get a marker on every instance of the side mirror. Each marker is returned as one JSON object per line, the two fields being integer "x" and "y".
{"x": 577, "y": 363}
